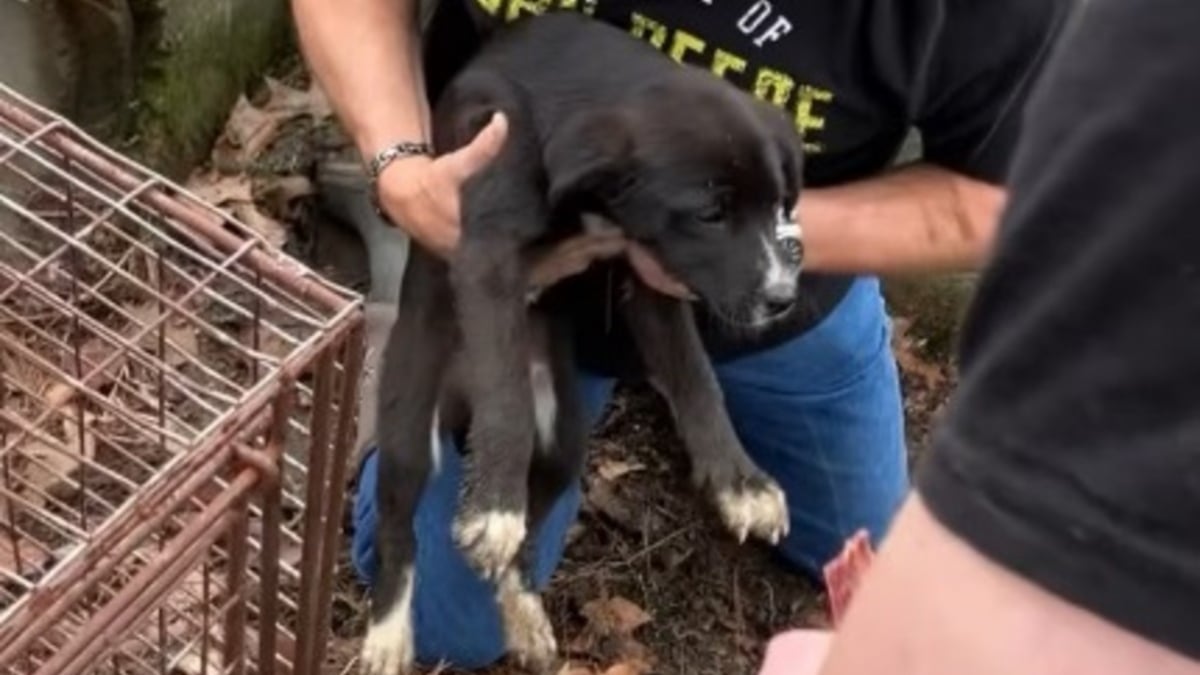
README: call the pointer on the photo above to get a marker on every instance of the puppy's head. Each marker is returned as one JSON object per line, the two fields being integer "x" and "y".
{"x": 701, "y": 174}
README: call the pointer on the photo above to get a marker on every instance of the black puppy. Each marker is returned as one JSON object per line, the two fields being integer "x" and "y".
{"x": 595, "y": 133}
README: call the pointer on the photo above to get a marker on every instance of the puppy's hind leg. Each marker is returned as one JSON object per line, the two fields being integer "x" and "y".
{"x": 749, "y": 501}
{"x": 412, "y": 364}
{"x": 557, "y": 463}
{"x": 502, "y": 211}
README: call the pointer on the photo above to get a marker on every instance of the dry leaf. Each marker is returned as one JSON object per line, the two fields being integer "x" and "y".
{"x": 51, "y": 464}
{"x": 908, "y": 358}
{"x": 633, "y": 667}
{"x": 269, "y": 342}
{"x": 247, "y": 133}
{"x": 180, "y": 334}
{"x": 614, "y": 616}
{"x": 272, "y": 230}
{"x": 23, "y": 374}
{"x": 603, "y": 498}
{"x": 219, "y": 189}
{"x": 292, "y": 102}
{"x": 612, "y": 469}
{"x": 278, "y": 192}
{"x": 31, "y": 557}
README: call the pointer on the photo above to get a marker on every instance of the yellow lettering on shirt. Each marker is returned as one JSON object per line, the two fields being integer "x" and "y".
{"x": 723, "y": 62}
{"x": 806, "y": 103}
{"x": 645, "y": 28}
{"x": 773, "y": 86}
{"x": 806, "y": 118}
{"x": 683, "y": 42}
{"x": 519, "y": 8}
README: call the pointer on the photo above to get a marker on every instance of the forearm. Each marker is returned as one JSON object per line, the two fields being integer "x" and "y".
{"x": 366, "y": 56}
{"x": 919, "y": 218}
{"x": 964, "y": 613}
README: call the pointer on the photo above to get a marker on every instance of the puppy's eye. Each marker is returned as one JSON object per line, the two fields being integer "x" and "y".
{"x": 713, "y": 214}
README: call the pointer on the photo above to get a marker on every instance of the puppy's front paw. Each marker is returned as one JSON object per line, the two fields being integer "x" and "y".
{"x": 490, "y": 540}
{"x": 388, "y": 648}
{"x": 757, "y": 507}
{"x": 528, "y": 632}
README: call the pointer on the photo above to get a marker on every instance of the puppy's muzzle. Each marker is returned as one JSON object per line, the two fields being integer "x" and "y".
{"x": 781, "y": 276}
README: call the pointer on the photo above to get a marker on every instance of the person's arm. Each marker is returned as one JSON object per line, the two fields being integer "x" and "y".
{"x": 1053, "y": 530}
{"x": 366, "y": 55}
{"x": 918, "y": 218}
{"x": 932, "y": 605}
{"x": 976, "y": 65}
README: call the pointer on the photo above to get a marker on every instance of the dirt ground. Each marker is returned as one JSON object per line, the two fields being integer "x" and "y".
{"x": 651, "y": 582}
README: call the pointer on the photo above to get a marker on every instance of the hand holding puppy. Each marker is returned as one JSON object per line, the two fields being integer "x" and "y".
{"x": 421, "y": 196}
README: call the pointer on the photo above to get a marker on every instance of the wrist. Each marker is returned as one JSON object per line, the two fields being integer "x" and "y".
{"x": 816, "y": 210}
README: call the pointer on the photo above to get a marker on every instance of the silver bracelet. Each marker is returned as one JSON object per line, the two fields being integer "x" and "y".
{"x": 395, "y": 151}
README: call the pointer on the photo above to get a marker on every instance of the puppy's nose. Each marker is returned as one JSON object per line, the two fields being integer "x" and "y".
{"x": 779, "y": 295}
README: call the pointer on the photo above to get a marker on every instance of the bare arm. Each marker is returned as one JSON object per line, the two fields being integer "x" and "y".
{"x": 366, "y": 56}
{"x": 962, "y": 613}
{"x": 920, "y": 218}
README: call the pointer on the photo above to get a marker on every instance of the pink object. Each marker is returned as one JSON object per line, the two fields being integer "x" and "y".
{"x": 797, "y": 652}
{"x": 802, "y": 652}
{"x": 845, "y": 572}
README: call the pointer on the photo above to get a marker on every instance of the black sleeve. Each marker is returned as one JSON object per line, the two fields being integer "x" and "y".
{"x": 1071, "y": 453}
{"x": 984, "y": 56}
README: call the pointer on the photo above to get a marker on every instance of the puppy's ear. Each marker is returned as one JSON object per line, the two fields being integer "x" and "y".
{"x": 789, "y": 144}
{"x": 590, "y": 158}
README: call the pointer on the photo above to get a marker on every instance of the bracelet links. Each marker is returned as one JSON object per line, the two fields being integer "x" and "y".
{"x": 391, "y": 153}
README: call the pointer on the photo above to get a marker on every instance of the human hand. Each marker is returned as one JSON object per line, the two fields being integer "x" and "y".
{"x": 651, "y": 272}
{"x": 572, "y": 256}
{"x": 796, "y": 652}
{"x": 421, "y": 194}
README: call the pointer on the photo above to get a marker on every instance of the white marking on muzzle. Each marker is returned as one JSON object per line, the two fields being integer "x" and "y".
{"x": 779, "y": 276}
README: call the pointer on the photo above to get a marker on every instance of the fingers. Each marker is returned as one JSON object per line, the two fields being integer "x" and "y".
{"x": 573, "y": 256}
{"x": 653, "y": 275}
{"x": 473, "y": 157}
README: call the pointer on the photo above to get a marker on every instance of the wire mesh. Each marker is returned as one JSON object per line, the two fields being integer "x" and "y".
{"x": 176, "y": 403}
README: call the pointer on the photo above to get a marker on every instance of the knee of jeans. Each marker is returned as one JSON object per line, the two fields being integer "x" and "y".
{"x": 362, "y": 540}
{"x": 813, "y": 542}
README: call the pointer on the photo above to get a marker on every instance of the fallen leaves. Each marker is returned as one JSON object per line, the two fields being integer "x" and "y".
{"x": 249, "y": 131}
{"x": 181, "y": 341}
{"x": 614, "y": 616}
{"x": 611, "y": 624}
{"x": 908, "y": 356}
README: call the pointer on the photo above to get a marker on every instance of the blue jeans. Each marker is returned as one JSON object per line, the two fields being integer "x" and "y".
{"x": 821, "y": 414}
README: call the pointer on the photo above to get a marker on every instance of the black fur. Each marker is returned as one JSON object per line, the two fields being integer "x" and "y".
{"x": 601, "y": 124}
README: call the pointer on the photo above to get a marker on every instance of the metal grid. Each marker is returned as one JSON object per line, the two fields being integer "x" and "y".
{"x": 177, "y": 402}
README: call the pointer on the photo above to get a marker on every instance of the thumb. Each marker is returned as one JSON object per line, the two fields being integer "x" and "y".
{"x": 473, "y": 157}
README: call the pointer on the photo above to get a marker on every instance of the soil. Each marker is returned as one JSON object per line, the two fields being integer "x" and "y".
{"x": 645, "y": 539}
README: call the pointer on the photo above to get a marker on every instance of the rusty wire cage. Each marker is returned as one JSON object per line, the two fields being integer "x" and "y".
{"x": 177, "y": 402}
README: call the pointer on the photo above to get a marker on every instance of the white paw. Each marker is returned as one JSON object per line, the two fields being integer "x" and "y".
{"x": 388, "y": 648}
{"x": 490, "y": 540}
{"x": 761, "y": 511}
{"x": 528, "y": 633}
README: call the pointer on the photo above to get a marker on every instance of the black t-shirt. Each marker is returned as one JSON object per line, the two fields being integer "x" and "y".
{"x": 1072, "y": 451}
{"x": 855, "y": 75}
